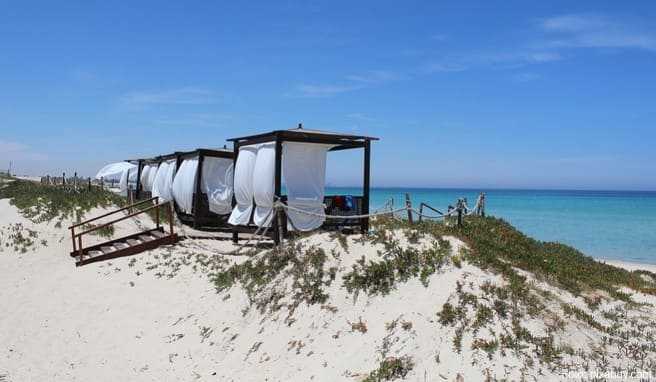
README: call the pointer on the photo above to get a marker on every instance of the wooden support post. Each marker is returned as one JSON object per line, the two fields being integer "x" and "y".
{"x": 364, "y": 223}
{"x": 281, "y": 232}
{"x": 102, "y": 183}
{"x": 197, "y": 192}
{"x": 459, "y": 217}
{"x": 89, "y": 186}
{"x": 79, "y": 247}
{"x": 171, "y": 207}
{"x": 157, "y": 214}
{"x": 73, "y": 237}
{"x": 235, "y": 150}
{"x": 421, "y": 211}
{"x": 278, "y": 229}
{"x": 408, "y": 205}
{"x": 139, "y": 171}
{"x": 63, "y": 178}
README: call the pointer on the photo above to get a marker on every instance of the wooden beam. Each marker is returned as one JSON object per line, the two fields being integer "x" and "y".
{"x": 235, "y": 150}
{"x": 366, "y": 186}
{"x": 408, "y": 205}
{"x": 139, "y": 170}
{"x": 277, "y": 191}
{"x": 199, "y": 175}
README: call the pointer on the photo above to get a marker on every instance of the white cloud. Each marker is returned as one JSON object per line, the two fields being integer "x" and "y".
{"x": 314, "y": 90}
{"x": 525, "y": 77}
{"x": 544, "y": 56}
{"x": 195, "y": 120}
{"x": 438, "y": 67}
{"x": 373, "y": 77}
{"x": 350, "y": 83}
{"x": 182, "y": 96}
{"x": 593, "y": 31}
{"x": 573, "y": 23}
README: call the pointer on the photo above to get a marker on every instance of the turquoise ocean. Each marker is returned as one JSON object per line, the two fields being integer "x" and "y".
{"x": 613, "y": 225}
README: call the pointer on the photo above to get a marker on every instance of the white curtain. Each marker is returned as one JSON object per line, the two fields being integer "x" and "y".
{"x": 164, "y": 181}
{"x": 304, "y": 169}
{"x": 184, "y": 185}
{"x": 114, "y": 170}
{"x": 216, "y": 182}
{"x": 151, "y": 177}
{"x": 123, "y": 183}
{"x": 263, "y": 183}
{"x": 132, "y": 180}
{"x": 243, "y": 185}
{"x": 145, "y": 172}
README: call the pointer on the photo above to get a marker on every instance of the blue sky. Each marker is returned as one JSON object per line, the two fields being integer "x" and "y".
{"x": 462, "y": 94}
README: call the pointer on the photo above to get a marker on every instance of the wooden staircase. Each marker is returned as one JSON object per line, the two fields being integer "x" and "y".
{"x": 127, "y": 245}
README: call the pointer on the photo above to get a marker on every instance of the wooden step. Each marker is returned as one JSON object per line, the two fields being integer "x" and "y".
{"x": 121, "y": 245}
{"x": 127, "y": 246}
{"x": 133, "y": 242}
{"x": 159, "y": 234}
{"x": 108, "y": 249}
{"x": 146, "y": 238}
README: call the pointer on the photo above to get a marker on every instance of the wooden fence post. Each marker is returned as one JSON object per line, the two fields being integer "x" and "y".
{"x": 408, "y": 206}
{"x": 89, "y": 187}
{"x": 63, "y": 178}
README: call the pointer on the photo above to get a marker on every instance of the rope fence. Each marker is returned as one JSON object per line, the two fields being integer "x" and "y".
{"x": 461, "y": 209}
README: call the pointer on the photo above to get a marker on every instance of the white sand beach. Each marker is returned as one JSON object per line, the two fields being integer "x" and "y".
{"x": 156, "y": 316}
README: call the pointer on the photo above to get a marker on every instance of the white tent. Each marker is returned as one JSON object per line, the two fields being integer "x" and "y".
{"x": 215, "y": 182}
{"x": 123, "y": 171}
{"x": 304, "y": 174}
{"x": 297, "y": 159}
{"x": 115, "y": 170}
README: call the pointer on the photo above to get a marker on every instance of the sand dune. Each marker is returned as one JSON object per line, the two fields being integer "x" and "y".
{"x": 157, "y": 316}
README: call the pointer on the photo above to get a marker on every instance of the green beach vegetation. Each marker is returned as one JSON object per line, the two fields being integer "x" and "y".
{"x": 43, "y": 203}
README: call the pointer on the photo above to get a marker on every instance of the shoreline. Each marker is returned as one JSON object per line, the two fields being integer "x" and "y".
{"x": 629, "y": 265}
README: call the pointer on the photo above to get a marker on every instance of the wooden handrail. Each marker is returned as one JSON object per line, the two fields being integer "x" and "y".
{"x": 113, "y": 212}
{"x": 123, "y": 218}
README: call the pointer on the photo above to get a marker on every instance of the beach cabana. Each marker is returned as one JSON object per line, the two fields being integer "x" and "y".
{"x": 155, "y": 176}
{"x": 146, "y": 171}
{"x": 123, "y": 172}
{"x": 202, "y": 187}
{"x": 296, "y": 157}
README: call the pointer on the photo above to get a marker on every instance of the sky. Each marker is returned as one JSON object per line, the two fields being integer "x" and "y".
{"x": 510, "y": 94}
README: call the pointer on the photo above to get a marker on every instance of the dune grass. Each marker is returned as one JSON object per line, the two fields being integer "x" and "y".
{"x": 44, "y": 203}
{"x": 496, "y": 245}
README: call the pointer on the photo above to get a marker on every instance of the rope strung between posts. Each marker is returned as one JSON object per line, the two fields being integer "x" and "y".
{"x": 386, "y": 210}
